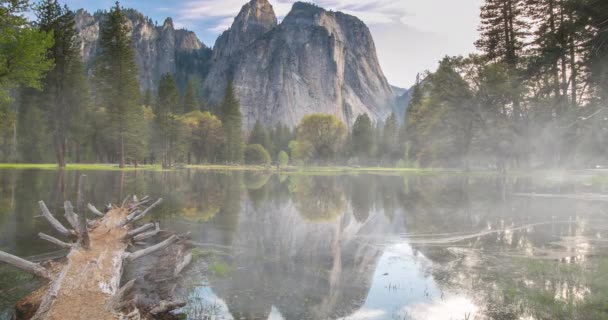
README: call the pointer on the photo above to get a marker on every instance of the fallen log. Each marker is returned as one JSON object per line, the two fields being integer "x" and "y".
{"x": 87, "y": 284}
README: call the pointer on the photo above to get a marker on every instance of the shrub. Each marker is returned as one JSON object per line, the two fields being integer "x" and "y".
{"x": 256, "y": 154}
{"x": 282, "y": 159}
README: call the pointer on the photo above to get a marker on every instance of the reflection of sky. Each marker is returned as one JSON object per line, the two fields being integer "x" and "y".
{"x": 402, "y": 289}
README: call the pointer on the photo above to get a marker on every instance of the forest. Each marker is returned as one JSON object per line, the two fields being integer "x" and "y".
{"x": 534, "y": 95}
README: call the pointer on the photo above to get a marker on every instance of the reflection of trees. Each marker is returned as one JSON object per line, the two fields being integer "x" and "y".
{"x": 257, "y": 186}
{"x": 361, "y": 197}
{"x": 318, "y": 198}
{"x": 506, "y": 271}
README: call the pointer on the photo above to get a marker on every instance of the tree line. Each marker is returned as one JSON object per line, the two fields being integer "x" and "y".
{"x": 535, "y": 95}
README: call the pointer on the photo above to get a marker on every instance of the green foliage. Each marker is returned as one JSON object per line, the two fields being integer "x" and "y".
{"x": 170, "y": 132}
{"x": 23, "y": 50}
{"x": 282, "y": 159}
{"x": 320, "y": 137}
{"x": 190, "y": 102}
{"x": 443, "y": 121}
{"x": 260, "y": 135}
{"x": 256, "y": 154}
{"x": 362, "y": 137}
{"x": 206, "y": 135}
{"x": 65, "y": 97}
{"x": 230, "y": 114}
{"x": 118, "y": 87}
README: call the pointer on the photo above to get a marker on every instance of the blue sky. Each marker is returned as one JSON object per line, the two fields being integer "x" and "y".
{"x": 410, "y": 35}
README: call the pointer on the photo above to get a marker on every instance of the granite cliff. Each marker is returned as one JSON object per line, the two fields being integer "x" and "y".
{"x": 159, "y": 49}
{"x": 314, "y": 61}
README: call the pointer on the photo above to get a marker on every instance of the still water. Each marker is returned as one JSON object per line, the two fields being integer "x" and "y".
{"x": 353, "y": 246}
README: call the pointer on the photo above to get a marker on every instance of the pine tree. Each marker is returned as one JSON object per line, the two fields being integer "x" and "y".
{"x": 117, "y": 84}
{"x": 230, "y": 114}
{"x": 190, "y": 100}
{"x": 167, "y": 123}
{"x": 260, "y": 135}
{"x": 147, "y": 99}
{"x": 503, "y": 30}
{"x": 390, "y": 136}
{"x": 65, "y": 96}
{"x": 362, "y": 137}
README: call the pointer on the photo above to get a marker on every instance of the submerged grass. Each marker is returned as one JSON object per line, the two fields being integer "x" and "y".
{"x": 219, "y": 268}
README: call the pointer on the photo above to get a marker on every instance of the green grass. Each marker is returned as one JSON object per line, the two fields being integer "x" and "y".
{"x": 79, "y": 167}
{"x": 291, "y": 170}
{"x": 323, "y": 170}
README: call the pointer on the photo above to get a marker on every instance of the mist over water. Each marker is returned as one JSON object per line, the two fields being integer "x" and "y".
{"x": 353, "y": 246}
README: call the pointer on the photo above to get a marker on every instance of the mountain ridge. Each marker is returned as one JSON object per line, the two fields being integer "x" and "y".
{"x": 314, "y": 61}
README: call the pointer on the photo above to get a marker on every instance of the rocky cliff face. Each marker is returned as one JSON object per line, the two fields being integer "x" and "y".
{"x": 315, "y": 61}
{"x": 158, "y": 49}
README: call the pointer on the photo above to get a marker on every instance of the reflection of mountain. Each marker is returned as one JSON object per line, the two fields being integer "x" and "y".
{"x": 307, "y": 270}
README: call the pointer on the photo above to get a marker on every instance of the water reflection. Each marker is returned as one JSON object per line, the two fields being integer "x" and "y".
{"x": 353, "y": 247}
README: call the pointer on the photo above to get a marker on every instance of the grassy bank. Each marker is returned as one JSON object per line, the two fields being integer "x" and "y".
{"x": 287, "y": 170}
{"x": 79, "y": 166}
{"x": 291, "y": 170}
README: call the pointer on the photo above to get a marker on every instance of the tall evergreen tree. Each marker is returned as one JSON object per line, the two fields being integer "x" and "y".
{"x": 260, "y": 135}
{"x": 117, "y": 84}
{"x": 390, "y": 139}
{"x": 167, "y": 122}
{"x": 65, "y": 98}
{"x": 503, "y": 30}
{"x": 230, "y": 114}
{"x": 362, "y": 137}
{"x": 190, "y": 102}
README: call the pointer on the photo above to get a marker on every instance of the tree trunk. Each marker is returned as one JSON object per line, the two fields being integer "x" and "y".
{"x": 60, "y": 155}
{"x": 122, "y": 150}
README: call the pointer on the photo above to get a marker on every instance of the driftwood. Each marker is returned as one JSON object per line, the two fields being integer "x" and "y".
{"x": 182, "y": 265}
{"x": 25, "y": 265}
{"x": 166, "y": 306}
{"x": 147, "y": 235}
{"x": 55, "y": 241}
{"x": 137, "y": 215}
{"x": 141, "y": 229}
{"x": 54, "y": 222}
{"x": 70, "y": 216}
{"x": 83, "y": 230}
{"x": 87, "y": 284}
{"x": 149, "y": 250}
{"x": 94, "y": 210}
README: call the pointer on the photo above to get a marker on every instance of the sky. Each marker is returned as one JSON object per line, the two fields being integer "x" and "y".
{"x": 411, "y": 36}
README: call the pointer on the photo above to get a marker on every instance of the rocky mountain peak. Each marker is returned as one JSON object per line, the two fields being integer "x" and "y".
{"x": 315, "y": 61}
{"x": 255, "y": 19}
{"x": 158, "y": 49}
{"x": 168, "y": 24}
